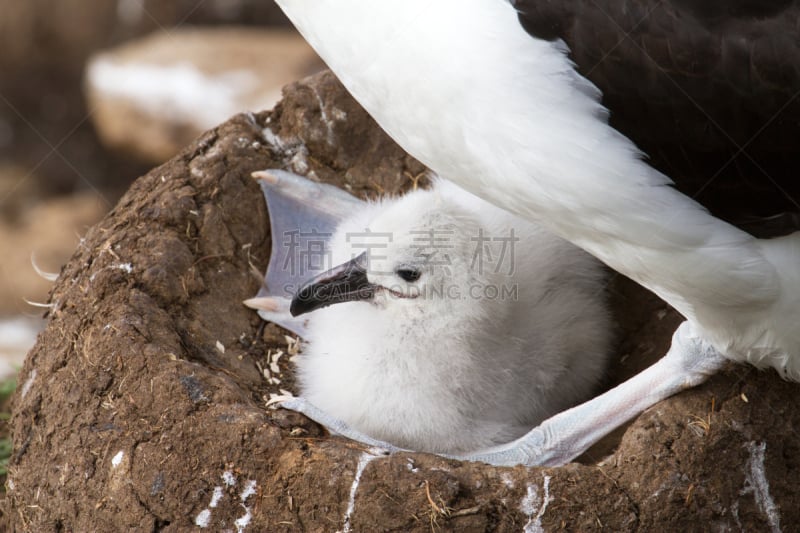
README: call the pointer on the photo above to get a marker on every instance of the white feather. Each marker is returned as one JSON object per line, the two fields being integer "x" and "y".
{"x": 462, "y": 87}
{"x": 48, "y": 276}
{"x": 457, "y": 368}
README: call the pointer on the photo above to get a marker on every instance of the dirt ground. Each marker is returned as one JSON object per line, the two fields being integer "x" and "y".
{"x": 142, "y": 405}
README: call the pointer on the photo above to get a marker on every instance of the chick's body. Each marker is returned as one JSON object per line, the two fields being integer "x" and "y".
{"x": 505, "y": 326}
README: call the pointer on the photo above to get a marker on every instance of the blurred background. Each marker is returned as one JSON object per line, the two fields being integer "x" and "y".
{"x": 94, "y": 93}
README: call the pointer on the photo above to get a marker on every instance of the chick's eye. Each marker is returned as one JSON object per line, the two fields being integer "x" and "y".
{"x": 408, "y": 274}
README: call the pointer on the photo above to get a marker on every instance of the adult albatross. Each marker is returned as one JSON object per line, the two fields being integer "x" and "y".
{"x": 465, "y": 89}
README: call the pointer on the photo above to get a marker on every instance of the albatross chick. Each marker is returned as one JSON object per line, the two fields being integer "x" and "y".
{"x": 456, "y": 325}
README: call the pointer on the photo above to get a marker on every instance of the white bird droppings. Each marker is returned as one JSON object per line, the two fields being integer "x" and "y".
{"x": 228, "y": 478}
{"x": 532, "y": 503}
{"x": 125, "y": 267}
{"x": 324, "y": 115}
{"x": 216, "y": 497}
{"x": 244, "y": 520}
{"x": 117, "y": 459}
{"x": 755, "y": 481}
{"x": 203, "y": 518}
{"x": 28, "y": 382}
{"x": 249, "y": 489}
{"x": 366, "y": 457}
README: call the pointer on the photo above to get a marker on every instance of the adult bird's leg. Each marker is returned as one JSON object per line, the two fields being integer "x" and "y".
{"x": 559, "y": 439}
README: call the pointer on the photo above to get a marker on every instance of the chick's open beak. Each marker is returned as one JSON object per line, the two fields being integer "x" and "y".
{"x": 345, "y": 283}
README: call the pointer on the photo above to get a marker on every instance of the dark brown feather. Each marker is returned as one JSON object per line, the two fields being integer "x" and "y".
{"x": 709, "y": 89}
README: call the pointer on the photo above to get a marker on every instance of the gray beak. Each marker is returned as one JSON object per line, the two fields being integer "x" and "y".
{"x": 344, "y": 283}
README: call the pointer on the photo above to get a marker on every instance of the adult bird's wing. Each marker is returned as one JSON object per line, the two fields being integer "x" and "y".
{"x": 303, "y": 215}
{"x": 517, "y": 125}
{"x": 684, "y": 65}
{"x": 708, "y": 89}
{"x": 461, "y": 87}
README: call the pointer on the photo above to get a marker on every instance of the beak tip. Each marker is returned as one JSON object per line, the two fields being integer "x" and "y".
{"x": 345, "y": 283}
{"x": 303, "y": 301}
{"x": 297, "y": 308}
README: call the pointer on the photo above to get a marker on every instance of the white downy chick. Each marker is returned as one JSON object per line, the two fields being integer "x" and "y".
{"x": 457, "y": 325}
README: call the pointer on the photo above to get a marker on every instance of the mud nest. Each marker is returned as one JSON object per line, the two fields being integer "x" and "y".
{"x": 142, "y": 405}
